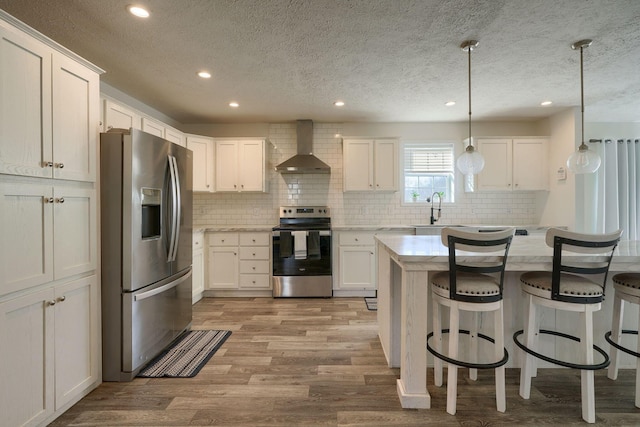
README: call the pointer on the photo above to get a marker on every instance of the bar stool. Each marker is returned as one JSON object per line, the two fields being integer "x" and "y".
{"x": 627, "y": 289}
{"x": 575, "y": 284}
{"x": 474, "y": 286}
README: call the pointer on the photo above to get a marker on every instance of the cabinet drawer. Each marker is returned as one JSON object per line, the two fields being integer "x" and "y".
{"x": 254, "y": 252}
{"x": 254, "y": 267}
{"x": 254, "y": 239}
{"x": 356, "y": 239}
{"x": 223, "y": 239}
{"x": 198, "y": 241}
{"x": 254, "y": 281}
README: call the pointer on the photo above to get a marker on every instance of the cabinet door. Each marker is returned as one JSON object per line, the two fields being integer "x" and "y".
{"x": 530, "y": 171}
{"x": 496, "y": 175}
{"x": 119, "y": 117}
{"x": 227, "y": 166}
{"x": 152, "y": 127}
{"x": 77, "y": 330}
{"x": 357, "y": 267}
{"x": 174, "y": 136}
{"x": 386, "y": 165}
{"x": 358, "y": 165}
{"x": 223, "y": 268}
{"x": 26, "y": 246}
{"x": 251, "y": 165}
{"x": 76, "y": 120}
{"x": 25, "y": 106}
{"x": 74, "y": 228}
{"x": 202, "y": 148}
{"x": 26, "y": 371}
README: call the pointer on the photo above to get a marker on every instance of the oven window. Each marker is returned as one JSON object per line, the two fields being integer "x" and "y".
{"x": 316, "y": 260}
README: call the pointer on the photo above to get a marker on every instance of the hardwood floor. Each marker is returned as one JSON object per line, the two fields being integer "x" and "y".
{"x": 318, "y": 362}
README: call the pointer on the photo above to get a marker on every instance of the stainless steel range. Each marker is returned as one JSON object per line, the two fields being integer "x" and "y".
{"x": 302, "y": 252}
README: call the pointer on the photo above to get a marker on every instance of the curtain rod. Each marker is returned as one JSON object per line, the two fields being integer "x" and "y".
{"x": 620, "y": 141}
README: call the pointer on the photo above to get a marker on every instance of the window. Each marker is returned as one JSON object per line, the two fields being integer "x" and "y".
{"x": 428, "y": 168}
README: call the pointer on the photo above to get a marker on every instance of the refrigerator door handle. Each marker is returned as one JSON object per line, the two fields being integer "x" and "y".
{"x": 178, "y": 207}
{"x": 161, "y": 289}
{"x": 174, "y": 214}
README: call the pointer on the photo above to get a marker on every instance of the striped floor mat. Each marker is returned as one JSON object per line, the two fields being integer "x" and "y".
{"x": 187, "y": 356}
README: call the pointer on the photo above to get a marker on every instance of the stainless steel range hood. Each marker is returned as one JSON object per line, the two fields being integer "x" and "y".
{"x": 304, "y": 161}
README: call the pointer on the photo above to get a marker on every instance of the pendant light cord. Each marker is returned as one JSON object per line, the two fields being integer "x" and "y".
{"x": 470, "y": 95}
{"x": 582, "y": 95}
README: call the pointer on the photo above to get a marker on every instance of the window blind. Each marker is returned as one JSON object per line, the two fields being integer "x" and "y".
{"x": 428, "y": 158}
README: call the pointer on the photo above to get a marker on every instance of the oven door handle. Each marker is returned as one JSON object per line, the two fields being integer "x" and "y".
{"x": 276, "y": 233}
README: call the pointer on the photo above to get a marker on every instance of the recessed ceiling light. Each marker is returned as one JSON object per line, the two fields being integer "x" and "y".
{"x": 546, "y": 103}
{"x": 204, "y": 74}
{"x": 234, "y": 104}
{"x": 138, "y": 11}
{"x": 339, "y": 103}
{"x": 450, "y": 103}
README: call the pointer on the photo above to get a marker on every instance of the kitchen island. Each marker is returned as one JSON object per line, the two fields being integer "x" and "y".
{"x": 404, "y": 264}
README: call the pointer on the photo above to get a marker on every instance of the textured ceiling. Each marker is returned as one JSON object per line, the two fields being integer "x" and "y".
{"x": 389, "y": 60}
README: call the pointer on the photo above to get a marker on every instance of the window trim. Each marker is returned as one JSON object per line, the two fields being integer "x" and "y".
{"x": 448, "y": 143}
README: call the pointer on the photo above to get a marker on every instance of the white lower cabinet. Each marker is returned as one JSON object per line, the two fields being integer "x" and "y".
{"x": 198, "y": 267}
{"x": 239, "y": 261}
{"x": 53, "y": 356}
{"x": 355, "y": 261}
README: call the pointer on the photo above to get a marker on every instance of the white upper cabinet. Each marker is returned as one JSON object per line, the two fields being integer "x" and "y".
{"x": 153, "y": 127}
{"x": 513, "y": 164}
{"x": 117, "y": 116}
{"x": 49, "y": 116}
{"x": 25, "y": 106}
{"x": 240, "y": 165}
{"x": 370, "y": 164}
{"x": 76, "y": 120}
{"x": 175, "y": 136}
{"x": 203, "y": 148}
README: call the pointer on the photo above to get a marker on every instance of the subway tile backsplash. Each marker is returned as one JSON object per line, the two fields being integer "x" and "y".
{"x": 362, "y": 208}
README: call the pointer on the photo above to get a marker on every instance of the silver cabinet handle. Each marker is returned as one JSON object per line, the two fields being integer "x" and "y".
{"x": 47, "y": 164}
{"x": 52, "y": 302}
{"x": 48, "y": 199}
{"x": 60, "y": 200}
{"x": 60, "y": 165}
{"x": 62, "y": 298}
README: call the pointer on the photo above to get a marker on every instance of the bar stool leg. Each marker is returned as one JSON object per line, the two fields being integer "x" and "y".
{"x": 437, "y": 341}
{"x": 530, "y": 330}
{"x": 452, "y": 370}
{"x": 587, "y": 376}
{"x": 473, "y": 350}
{"x": 501, "y": 403}
{"x": 616, "y": 335}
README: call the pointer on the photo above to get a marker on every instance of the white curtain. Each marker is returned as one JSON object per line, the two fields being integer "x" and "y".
{"x": 612, "y": 194}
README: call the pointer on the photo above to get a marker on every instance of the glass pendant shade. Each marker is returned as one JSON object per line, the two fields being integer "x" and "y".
{"x": 470, "y": 162}
{"x": 583, "y": 161}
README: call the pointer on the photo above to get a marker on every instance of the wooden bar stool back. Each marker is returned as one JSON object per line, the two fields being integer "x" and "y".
{"x": 475, "y": 287}
{"x": 575, "y": 284}
{"x": 627, "y": 289}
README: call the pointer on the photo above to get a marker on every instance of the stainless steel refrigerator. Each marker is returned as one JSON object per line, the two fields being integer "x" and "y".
{"x": 146, "y": 231}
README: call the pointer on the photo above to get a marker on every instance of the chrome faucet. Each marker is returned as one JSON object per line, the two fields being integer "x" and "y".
{"x": 434, "y": 219}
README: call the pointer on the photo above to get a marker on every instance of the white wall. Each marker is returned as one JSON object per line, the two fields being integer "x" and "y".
{"x": 518, "y": 208}
{"x": 558, "y": 207}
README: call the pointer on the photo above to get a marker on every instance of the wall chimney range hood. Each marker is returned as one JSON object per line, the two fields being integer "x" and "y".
{"x": 304, "y": 161}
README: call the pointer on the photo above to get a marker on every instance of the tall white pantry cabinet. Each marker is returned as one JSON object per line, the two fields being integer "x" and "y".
{"x": 49, "y": 282}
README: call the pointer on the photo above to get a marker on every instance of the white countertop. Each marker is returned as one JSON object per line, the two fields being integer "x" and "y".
{"x": 524, "y": 249}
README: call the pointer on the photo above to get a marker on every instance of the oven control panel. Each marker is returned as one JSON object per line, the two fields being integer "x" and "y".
{"x": 304, "y": 212}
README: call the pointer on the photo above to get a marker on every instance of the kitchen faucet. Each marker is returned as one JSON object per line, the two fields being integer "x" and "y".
{"x": 434, "y": 219}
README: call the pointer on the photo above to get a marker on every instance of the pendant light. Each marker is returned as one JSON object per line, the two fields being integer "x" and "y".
{"x": 470, "y": 162}
{"x": 583, "y": 160}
